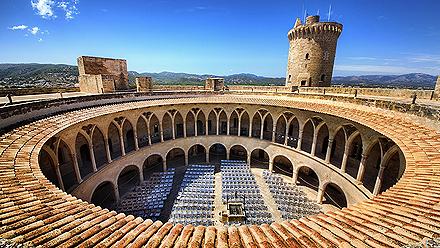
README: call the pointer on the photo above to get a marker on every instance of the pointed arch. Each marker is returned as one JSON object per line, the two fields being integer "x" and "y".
{"x": 67, "y": 170}
{"x": 142, "y": 132}
{"x": 244, "y": 125}
{"x": 233, "y": 123}
{"x": 99, "y": 148}
{"x": 223, "y": 123}
{"x": 190, "y": 124}
{"x": 83, "y": 155}
{"x": 268, "y": 127}
{"x": 280, "y": 131}
{"x": 154, "y": 129}
{"x": 201, "y": 122}
{"x": 178, "y": 125}
{"x": 114, "y": 141}
{"x": 293, "y": 133}
{"x": 322, "y": 141}
{"x": 167, "y": 127}
{"x": 212, "y": 123}
{"x": 256, "y": 125}
{"x": 307, "y": 136}
{"x": 128, "y": 135}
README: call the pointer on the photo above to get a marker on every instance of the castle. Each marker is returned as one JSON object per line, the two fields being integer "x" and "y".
{"x": 312, "y": 52}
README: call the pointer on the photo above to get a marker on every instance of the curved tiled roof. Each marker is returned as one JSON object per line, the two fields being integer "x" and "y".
{"x": 34, "y": 211}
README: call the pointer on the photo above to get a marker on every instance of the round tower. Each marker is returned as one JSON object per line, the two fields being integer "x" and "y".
{"x": 312, "y": 52}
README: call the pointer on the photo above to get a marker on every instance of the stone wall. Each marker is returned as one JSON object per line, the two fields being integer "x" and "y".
{"x": 312, "y": 52}
{"x": 102, "y": 75}
{"x": 437, "y": 89}
{"x": 259, "y": 88}
{"x": 144, "y": 84}
{"x": 395, "y": 93}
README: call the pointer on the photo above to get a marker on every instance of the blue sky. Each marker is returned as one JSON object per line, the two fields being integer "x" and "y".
{"x": 219, "y": 36}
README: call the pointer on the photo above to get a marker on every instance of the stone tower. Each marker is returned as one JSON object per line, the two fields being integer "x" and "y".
{"x": 312, "y": 52}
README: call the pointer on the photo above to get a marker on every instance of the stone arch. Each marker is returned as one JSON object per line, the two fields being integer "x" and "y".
{"x": 67, "y": 169}
{"x": 175, "y": 158}
{"x": 99, "y": 148}
{"x": 223, "y": 123}
{"x": 196, "y": 154}
{"x": 322, "y": 139}
{"x": 238, "y": 152}
{"x": 114, "y": 141}
{"x": 190, "y": 124}
{"x": 167, "y": 127}
{"x": 178, "y": 125}
{"x": 128, "y": 178}
{"x": 201, "y": 122}
{"x": 394, "y": 168}
{"x": 154, "y": 129}
{"x": 354, "y": 154}
{"x": 244, "y": 125}
{"x": 233, "y": 123}
{"x": 128, "y": 135}
{"x": 259, "y": 159}
{"x": 283, "y": 165}
{"x": 48, "y": 162}
{"x": 104, "y": 195}
{"x": 83, "y": 155}
{"x": 307, "y": 136}
{"x": 212, "y": 123}
{"x": 338, "y": 147}
{"x": 256, "y": 125}
{"x": 280, "y": 131}
{"x": 217, "y": 152}
{"x": 153, "y": 163}
{"x": 142, "y": 132}
{"x": 307, "y": 177}
{"x": 268, "y": 127}
{"x": 334, "y": 195}
{"x": 293, "y": 133}
{"x": 372, "y": 165}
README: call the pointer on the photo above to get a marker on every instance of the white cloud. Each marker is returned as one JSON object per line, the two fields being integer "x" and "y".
{"x": 40, "y": 40}
{"x": 19, "y": 27}
{"x": 69, "y": 7}
{"x": 44, "y": 8}
{"x": 34, "y": 30}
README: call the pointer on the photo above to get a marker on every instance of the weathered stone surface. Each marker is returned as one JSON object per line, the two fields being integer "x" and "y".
{"x": 312, "y": 52}
{"x": 102, "y": 75}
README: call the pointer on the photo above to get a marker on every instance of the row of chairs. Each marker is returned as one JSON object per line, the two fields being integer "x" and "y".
{"x": 239, "y": 184}
{"x": 195, "y": 201}
{"x": 147, "y": 200}
{"x": 291, "y": 201}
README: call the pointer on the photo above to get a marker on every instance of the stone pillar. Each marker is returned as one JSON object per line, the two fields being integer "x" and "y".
{"x": 250, "y": 128}
{"x": 437, "y": 90}
{"x": 315, "y": 140}
{"x": 239, "y": 125}
{"x": 249, "y": 157}
{"x": 344, "y": 158}
{"x": 184, "y": 128}
{"x": 207, "y": 156}
{"x": 227, "y": 154}
{"x": 379, "y": 178}
{"x": 228, "y": 126}
{"x": 206, "y": 126}
{"x": 270, "y": 165}
{"x": 173, "y": 128}
{"x": 164, "y": 166}
{"x": 300, "y": 134}
{"x": 161, "y": 131}
{"x": 92, "y": 158}
{"x": 261, "y": 129}
{"x": 286, "y": 134}
{"x": 274, "y": 129}
{"x": 361, "y": 170}
{"x": 294, "y": 176}
{"x": 195, "y": 125}
{"x": 320, "y": 195}
{"x": 121, "y": 139}
{"x": 186, "y": 159}
{"x": 107, "y": 151}
{"x": 329, "y": 150}
{"x": 117, "y": 197}
{"x": 59, "y": 178}
{"x": 136, "y": 141}
{"x": 76, "y": 167}
{"x": 218, "y": 125}
{"x": 141, "y": 174}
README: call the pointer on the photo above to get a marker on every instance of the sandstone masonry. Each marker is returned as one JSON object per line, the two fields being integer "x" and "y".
{"x": 312, "y": 52}
{"x": 102, "y": 75}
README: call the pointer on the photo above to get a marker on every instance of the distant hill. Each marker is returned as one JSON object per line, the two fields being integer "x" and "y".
{"x": 66, "y": 76}
{"x": 413, "y": 80}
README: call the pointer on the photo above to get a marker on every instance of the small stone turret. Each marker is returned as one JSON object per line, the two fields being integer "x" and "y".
{"x": 312, "y": 52}
{"x": 437, "y": 89}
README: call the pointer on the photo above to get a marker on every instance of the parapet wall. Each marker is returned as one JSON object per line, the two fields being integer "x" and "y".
{"x": 259, "y": 88}
{"x": 395, "y": 93}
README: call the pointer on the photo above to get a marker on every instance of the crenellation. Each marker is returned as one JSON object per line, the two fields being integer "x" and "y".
{"x": 312, "y": 52}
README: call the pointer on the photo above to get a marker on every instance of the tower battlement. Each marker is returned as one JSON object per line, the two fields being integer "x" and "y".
{"x": 312, "y": 52}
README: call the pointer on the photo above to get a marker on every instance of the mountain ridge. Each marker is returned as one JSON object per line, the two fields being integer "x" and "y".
{"x": 62, "y": 75}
